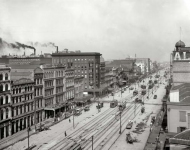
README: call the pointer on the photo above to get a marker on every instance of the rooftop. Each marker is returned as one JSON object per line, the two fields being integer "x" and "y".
{"x": 77, "y": 54}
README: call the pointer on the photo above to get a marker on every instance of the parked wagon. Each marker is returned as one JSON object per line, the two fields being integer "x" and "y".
{"x": 100, "y": 105}
{"x": 135, "y": 93}
{"x": 113, "y": 104}
{"x": 87, "y": 108}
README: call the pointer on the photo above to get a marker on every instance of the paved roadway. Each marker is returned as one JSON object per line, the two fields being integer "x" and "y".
{"x": 47, "y": 139}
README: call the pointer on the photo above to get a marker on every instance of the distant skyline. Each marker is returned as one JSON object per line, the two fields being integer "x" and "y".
{"x": 115, "y": 28}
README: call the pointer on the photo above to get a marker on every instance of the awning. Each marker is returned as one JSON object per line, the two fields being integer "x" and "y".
{"x": 83, "y": 99}
{"x": 56, "y": 106}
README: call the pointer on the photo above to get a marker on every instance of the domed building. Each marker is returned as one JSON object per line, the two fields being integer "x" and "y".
{"x": 179, "y": 44}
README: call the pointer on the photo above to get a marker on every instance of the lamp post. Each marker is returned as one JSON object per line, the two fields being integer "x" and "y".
{"x": 73, "y": 116}
{"x": 28, "y": 129}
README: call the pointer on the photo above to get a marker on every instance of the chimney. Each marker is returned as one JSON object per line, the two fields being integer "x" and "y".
{"x": 34, "y": 52}
{"x": 57, "y": 49}
{"x": 66, "y": 50}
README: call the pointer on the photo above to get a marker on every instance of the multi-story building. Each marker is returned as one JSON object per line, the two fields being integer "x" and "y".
{"x": 86, "y": 64}
{"x": 5, "y": 102}
{"x": 53, "y": 90}
{"x": 38, "y": 95}
{"x": 102, "y": 70}
{"x": 69, "y": 84}
{"x": 23, "y": 107}
{"x": 144, "y": 63}
{"x": 79, "y": 87}
{"x": 180, "y": 64}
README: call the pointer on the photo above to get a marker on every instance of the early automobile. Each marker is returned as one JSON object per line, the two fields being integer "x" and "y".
{"x": 129, "y": 125}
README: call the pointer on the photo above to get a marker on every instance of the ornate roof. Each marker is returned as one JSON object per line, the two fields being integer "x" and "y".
{"x": 180, "y": 44}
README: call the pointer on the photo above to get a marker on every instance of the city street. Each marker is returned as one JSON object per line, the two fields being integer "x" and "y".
{"x": 97, "y": 123}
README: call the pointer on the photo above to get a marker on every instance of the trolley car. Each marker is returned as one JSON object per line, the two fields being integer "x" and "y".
{"x": 113, "y": 103}
{"x": 135, "y": 93}
{"x": 100, "y": 105}
{"x": 122, "y": 106}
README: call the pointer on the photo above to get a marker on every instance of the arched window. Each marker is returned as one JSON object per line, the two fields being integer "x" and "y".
{"x": 1, "y": 100}
{"x": 7, "y": 113}
{"x": 28, "y": 88}
{"x": 6, "y": 99}
{"x": 31, "y": 88}
{"x": 16, "y": 91}
{"x": 19, "y": 90}
{"x": 6, "y": 76}
{"x": 1, "y": 77}
{"x": 6, "y": 87}
{"x": 25, "y": 89}
{"x": 13, "y": 91}
{"x": 1, "y": 88}
{"x": 2, "y": 114}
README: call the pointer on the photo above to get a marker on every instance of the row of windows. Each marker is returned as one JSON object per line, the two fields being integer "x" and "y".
{"x": 6, "y": 76}
{"x": 22, "y": 89}
{"x": 51, "y": 74}
{"x": 19, "y": 99}
{"x": 57, "y": 60}
{"x": 6, "y": 87}
{"x": 59, "y": 89}
{"x": 23, "y": 109}
{"x": 4, "y": 114}
{"x": 4, "y": 100}
{"x": 38, "y": 81}
{"x": 59, "y": 81}
{"x": 49, "y": 92}
{"x": 48, "y": 83}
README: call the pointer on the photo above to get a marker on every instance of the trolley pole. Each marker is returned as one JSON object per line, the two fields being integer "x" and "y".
{"x": 73, "y": 117}
{"x": 92, "y": 143}
{"x": 120, "y": 123}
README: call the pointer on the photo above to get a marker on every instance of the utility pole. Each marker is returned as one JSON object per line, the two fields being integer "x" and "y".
{"x": 28, "y": 129}
{"x": 120, "y": 123}
{"x": 92, "y": 143}
{"x": 73, "y": 116}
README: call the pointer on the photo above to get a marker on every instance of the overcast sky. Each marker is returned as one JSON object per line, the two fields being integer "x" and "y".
{"x": 115, "y": 28}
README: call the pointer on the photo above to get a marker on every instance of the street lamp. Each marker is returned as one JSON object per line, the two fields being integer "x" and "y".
{"x": 28, "y": 129}
{"x": 73, "y": 115}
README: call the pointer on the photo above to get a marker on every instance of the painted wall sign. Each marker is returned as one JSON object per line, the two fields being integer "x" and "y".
{"x": 181, "y": 56}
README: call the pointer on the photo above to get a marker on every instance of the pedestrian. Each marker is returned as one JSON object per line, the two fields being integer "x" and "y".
{"x": 69, "y": 120}
{"x": 65, "y": 134}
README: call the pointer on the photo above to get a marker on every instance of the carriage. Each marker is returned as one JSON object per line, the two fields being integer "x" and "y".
{"x": 100, "y": 105}
{"x": 113, "y": 104}
{"x": 135, "y": 93}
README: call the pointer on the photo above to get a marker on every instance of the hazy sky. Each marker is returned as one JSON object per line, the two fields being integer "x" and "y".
{"x": 115, "y": 28}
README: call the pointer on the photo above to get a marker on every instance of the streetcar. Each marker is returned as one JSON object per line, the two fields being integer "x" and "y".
{"x": 143, "y": 86}
{"x": 78, "y": 112}
{"x": 113, "y": 104}
{"x": 122, "y": 106}
{"x": 143, "y": 92}
{"x": 155, "y": 81}
{"x": 87, "y": 108}
{"x": 135, "y": 93}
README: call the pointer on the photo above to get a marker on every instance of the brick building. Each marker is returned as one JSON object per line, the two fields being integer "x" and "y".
{"x": 23, "y": 106}
{"x": 86, "y": 64}
{"x": 5, "y": 102}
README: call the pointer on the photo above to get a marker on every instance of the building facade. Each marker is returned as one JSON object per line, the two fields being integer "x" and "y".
{"x": 53, "y": 90}
{"x": 179, "y": 106}
{"x": 5, "y": 102}
{"x": 23, "y": 107}
{"x": 86, "y": 64}
{"x": 180, "y": 64}
{"x": 38, "y": 95}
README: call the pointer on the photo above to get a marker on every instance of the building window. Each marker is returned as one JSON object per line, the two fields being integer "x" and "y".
{"x": 6, "y": 76}
{"x": 1, "y": 77}
{"x": 182, "y": 116}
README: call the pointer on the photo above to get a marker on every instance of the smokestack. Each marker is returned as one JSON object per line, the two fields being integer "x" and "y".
{"x": 57, "y": 49}
{"x": 34, "y": 52}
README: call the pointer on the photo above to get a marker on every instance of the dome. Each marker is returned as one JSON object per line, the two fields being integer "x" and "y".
{"x": 102, "y": 59}
{"x": 180, "y": 44}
